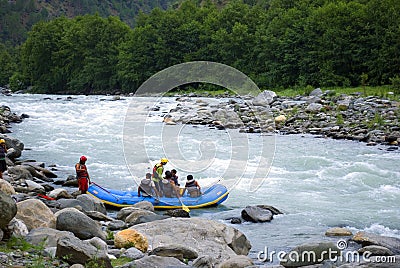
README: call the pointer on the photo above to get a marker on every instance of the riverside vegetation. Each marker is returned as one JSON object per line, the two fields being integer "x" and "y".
{"x": 278, "y": 44}
{"x": 72, "y": 229}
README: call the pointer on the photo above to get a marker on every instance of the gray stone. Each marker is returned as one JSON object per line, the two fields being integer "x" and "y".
{"x": 93, "y": 203}
{"x": 314, "y": 107}
{"x": 133, "y": 253}
{"x": 177, "y": 213}
{"x": 309, "y": 254}
{"x": 34, "y": 213}
{"x": 174, "y": 250}
{"x": 74, "y": 251}
{"x": 239, "y": 261}
{"x": 19, "y": 172}
{"x": 204, "y": 262}
{"x": 48, "y": 236}
{"x": 367, "y": 239}
{"x": 98, "y": 216}
{"x": 72, "y": 220}
{"x": 124, "y": 212}
{"x": 376, "y": 251}
{"x": 144, "y": 205}
{"x": 147, "y": 218}
{"x": 17, "y": 228}
{"x": 225, "y": 241}
{"x": 8, "y": 209}
{"x": 157, "y": 262}
{"x": 265, "y": 98}
{"x": 116, "y": 225}
{"x": 316, "y": 92}
{"x": 135, "y": 214}
{"x": 256, "y": 214}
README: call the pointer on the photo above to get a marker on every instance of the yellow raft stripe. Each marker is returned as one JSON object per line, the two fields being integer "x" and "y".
{"x": 165, "y": 207}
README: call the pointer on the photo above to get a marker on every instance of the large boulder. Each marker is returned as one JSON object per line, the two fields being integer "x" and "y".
{"x": 8, "y": 209}
{"x": 48, "y": 236}
{"x": 265, "y": 98}
{"x": 74, "y": 251}
{"x": 72, "y": 220}
{"x": 367, "y": 239}
{"x": 256, "y": 214}
{"x": 206, "y": 237}
{"x": 60, "y": 193}
{"x": 34, "y": 213}
{"x": 144, "y": 205}
{"x": 131, "y": 238}
{"x": 134, "y": 216}
{"x": 19, "y": 173}
{"x": 92, "y": 203}
{"x": 6, "y": 187}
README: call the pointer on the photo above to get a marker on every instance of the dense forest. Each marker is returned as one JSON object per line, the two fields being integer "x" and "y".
{"x": 17, "y": 17}
{"x": 278, "y": 43}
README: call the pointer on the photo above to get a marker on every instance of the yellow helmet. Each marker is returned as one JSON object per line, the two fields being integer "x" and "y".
{"x": 164, "y": 160}
{"x": 2, "y": 141}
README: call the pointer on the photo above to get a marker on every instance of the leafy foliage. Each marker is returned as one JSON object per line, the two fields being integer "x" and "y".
{"x": 278, "y": 43}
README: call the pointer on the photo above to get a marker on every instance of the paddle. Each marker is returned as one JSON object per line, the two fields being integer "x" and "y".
{"x": 92, "y": 182}
{"x": 184, "y": 207}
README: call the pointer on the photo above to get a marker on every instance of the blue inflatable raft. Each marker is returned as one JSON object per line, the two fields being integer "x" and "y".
{"x": 212, "y": 196}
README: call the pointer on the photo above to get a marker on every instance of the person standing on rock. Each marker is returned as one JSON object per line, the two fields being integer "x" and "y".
{"x": 157, "y": 176}
{"x": 82, "y": 175}
{"x": 3, "y": 152}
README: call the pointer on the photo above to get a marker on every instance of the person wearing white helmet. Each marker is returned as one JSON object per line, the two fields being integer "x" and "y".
{"x": 82, "y": 175}
{"x": 157, "y": 175}
{"x": 3, "y": 152}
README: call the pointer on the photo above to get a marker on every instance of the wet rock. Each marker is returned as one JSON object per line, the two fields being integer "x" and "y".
{"x": 34, "y": 213}
{"x": 236, "y": 262}
{"x": 174, "y": 250}
{"x": 376, "y": 251}
{"x": 338, "y": 231}
{"x": 179, "y": 213}
{"x": 367, "y": 239}
{"x": 236, "y": 220}
{"x": 81, "y": 252}
{"x": 256, "y": 214}
{"x": 8, "y": 209}
{"x": 72, "y": 220}
{"x": 131, "y": 238}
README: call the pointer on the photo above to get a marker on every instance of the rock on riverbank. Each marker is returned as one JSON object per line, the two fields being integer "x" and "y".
{"x": 370, "y": 119}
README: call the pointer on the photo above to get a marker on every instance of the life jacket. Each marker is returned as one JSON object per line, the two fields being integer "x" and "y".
{"x": 81, "y": 173}
{"x": 145, "y": 187}
{"x": 192, "y": 189}
{"x": 168, "y": 189}
{"x": 156, "y": 177}
{"x": 2, "y": 152}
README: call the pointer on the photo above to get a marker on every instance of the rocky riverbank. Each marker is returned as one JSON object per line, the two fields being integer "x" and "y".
{"x": 372, "y": 120}
{"x": 66, "y": 229}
